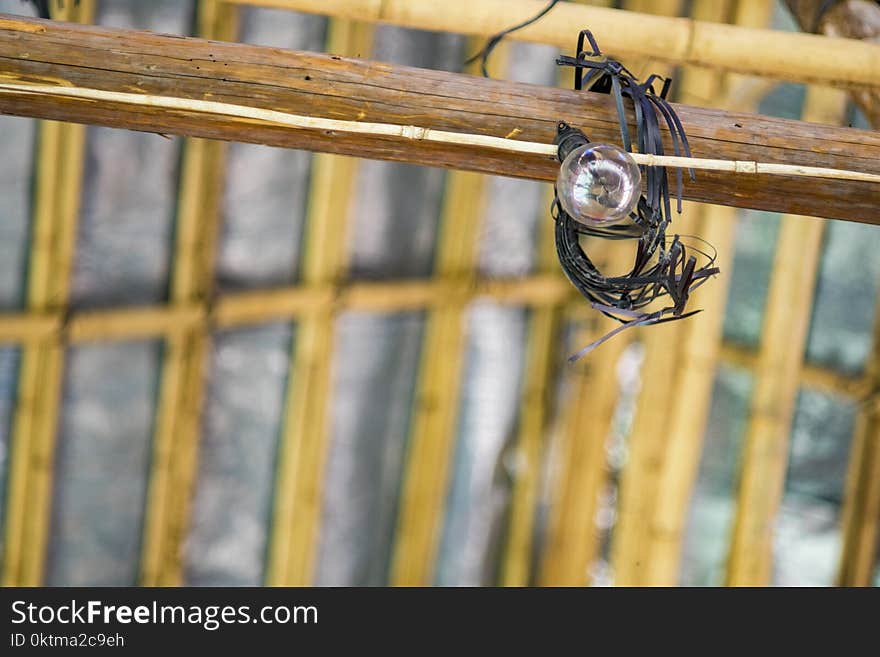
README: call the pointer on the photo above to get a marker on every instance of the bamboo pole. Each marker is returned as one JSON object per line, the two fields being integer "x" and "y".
{"x": 56, "y": 210}
{"x": 434, "y": 423}
{"x": 639, "y": 478}
{"x": 326, "y": 88}
{"x": 533, "y": 422}
{"x": 181, "y": 389}
{"x": 701, "y": 339}
{"x": 782, "y": 55}
{"x": 777, "y": 379}
{"x": 254, "y": 307}
{"x": 305, "y": 428}
{"x": 860, "y": 524}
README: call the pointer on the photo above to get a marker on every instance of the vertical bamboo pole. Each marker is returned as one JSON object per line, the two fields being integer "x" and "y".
{"x": 540, "y": 352}
{"x": 56, "y": 210}
{"x": 181, "y": 388}
{"x": 640, "y": 476}
{"x": 701, "y": 338}
{"x": 542, "y": 331}
{"x": 435, "y": 412}
{"x": 861, "y": 506}
{"x": 573, "y": 539}
{"x": 777, "y": 377}
{"x": 304, "y": 437}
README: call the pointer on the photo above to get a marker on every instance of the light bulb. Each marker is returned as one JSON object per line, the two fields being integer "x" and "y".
{"x": 598, "y": 184}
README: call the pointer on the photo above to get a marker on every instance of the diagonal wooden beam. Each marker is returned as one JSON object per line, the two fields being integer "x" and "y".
{"x": 333, "y": 87}
{"x": 56, "y": 210}
{"x": 181, "y": 388}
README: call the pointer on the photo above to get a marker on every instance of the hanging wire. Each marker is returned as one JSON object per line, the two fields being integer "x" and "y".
{"x": 495, "y": 39}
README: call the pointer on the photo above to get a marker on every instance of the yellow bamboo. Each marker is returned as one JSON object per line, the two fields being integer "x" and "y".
{"x": 777, "y": 378}
{"x": 646, "y": 442}
{"x": 783, "y": 55}
{"x": 56, "y": 209}
{"x": 304, "y": 437}
{"x": 861, "y": 505}
{"x": 540, "y": 352}
{"x": 175, "y": 440}
{"x": 435, "y": 410}
{"x": 701, "y": 338}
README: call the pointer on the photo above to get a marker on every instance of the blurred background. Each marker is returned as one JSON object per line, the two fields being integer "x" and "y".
{"x": 426, "y": 436}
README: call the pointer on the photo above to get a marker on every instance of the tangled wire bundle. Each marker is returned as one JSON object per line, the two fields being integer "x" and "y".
{"x": 661, "y": 267}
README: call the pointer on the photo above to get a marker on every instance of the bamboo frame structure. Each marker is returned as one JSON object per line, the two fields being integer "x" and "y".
{"x": 305, "y": 428}
{"x": 234, "y": 71}
{"x": 193, "y": 313}
{"x": 181, "y": 389}
{"x": 56, "y": 208}
{"x": 781, "y": 55}
{"x": 777, "y": 379}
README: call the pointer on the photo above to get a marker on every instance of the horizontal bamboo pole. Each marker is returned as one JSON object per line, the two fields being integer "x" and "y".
{"x": 327, "y": 87}
{"x": 782, "y": 55}
{"x": 262, "y": 306}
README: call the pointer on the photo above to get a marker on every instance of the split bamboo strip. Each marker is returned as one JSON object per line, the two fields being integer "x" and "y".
{"x": 777, "y": 379}
{"x": 181, "y": 389}
{"x": 638, "y": 479}
{"x": 783, "y": 55}
{"x": 701, "y": 340}
{"x": 861, "y": 504}
{"x": 305, "y": 429}
{"x": 322, "y": 86}
{"x": 434, "y": 423}
{"x": 56, "y": 210}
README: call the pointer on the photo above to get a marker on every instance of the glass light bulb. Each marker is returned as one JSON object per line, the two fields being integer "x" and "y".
{"x": 598, "y": 184}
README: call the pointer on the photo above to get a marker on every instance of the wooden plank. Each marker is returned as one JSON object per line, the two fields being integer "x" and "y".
{"x": 304, "y": 436}
{"x": 701, "y": 338}
{"x": 433, "y": 428}
{"x": 324, "y": 86}
{"x": 777, "y": 379}
{"x": 181, "y": 389}
{"x": 784, "y": 55}
{"x": 56, "y": 210}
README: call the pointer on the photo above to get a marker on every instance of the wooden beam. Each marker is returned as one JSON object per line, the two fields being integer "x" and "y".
{"x": 56, "y": 211}
{"x": 783, "y": 55}
{"x": 333, "y": 87}
{"x": 181, "y": 389}
{"x": 305, "y": 429}
{"x": 852, "y": 19}
{"x": 777, "y": 379}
